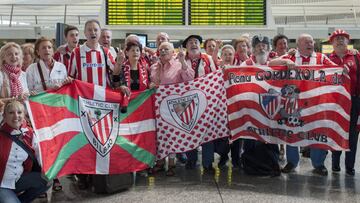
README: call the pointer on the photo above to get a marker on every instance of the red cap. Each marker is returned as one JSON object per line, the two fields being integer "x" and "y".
{"x": 339, "y": 32}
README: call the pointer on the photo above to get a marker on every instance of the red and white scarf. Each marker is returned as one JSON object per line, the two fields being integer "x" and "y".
{"x": 203, "y": 65}
{"x": 15, "y": 83}
{"x": 143, "y": 75}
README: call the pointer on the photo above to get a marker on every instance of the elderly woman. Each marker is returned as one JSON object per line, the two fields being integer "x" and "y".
{"x": 227, "y": 57}
{"x": 169, "y": 70}
{"x": 209, "y": 46}
{"x": 46, "y": 73}
{"x": 242, "y": 49}
{"x": 222, "y": 147}
{"x": 12, "y": 79}
{"x": 135, "y": 75}
{"x": 20, "y": 176}
{"x": 28, "y": 50}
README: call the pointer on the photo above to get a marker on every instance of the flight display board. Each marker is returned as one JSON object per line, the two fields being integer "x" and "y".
{"x": 172, "y": 12}
{"x": 227, "y": 12}
{"x": 145, "y": 12}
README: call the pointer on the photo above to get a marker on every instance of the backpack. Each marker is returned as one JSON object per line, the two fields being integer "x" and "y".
{"x": 261, "y": 160}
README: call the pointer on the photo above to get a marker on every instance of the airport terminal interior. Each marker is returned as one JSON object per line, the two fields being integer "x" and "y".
{"x": 24, "y": 21}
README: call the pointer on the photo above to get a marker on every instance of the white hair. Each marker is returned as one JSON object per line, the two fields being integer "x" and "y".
{"x": 227, "y": 46}
{"x": 167, "y": 43}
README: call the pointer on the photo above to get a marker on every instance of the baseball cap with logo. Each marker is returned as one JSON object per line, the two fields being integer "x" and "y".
{"x": 339, "y": 32}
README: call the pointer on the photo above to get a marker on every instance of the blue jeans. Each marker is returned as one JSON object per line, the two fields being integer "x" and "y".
{"x": 30, "y": 184}
{"x": 8, "y": 196}
{"x": 207, "y": 155}
{"x": 317, "y": 156}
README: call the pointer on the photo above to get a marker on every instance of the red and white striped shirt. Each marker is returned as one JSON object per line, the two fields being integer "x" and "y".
{"x": 315, "y": 59}
{"x": 64, "y": 58}
{"x": 89, "y": 65}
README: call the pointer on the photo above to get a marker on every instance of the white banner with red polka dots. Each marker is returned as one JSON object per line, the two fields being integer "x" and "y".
{"x": 190, "y": 113}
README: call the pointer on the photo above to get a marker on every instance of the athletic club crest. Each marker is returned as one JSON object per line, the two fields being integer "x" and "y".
{"x": 284, "y": 103}
{"x": 183, "y": 111}
{"x": 270, "y": 102}
{"x": 100, "y": 122}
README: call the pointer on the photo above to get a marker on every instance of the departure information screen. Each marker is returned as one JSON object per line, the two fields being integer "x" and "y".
{"x": 145, "y": 12}
{"x": 227, "y": 12}
{"x": 172, "y": 12}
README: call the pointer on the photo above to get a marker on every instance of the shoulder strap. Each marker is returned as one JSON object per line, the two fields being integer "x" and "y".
{"x": 24, "y": 147}
{"x": 41, "y": 76}
{"x": 357, "y": 75}
{"x": 108, "y": 70}
{"x": 319, "y": 58}
{"x": 197, "y": 68}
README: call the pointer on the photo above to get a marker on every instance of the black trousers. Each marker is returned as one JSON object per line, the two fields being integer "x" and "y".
{"x": 353, "y": 137}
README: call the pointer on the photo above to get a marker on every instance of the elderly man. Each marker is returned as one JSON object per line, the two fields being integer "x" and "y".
{"x": 260, "y": 52}
{"x": 153, "y": 56}
{"x": 169, "y": 70}
{"x": 202, "y": 64}
{"x": 344, "y": 57}
{"x": 305, "y": 55}
{"x": 105, "y": 41}
{"x": 161, "y": 37}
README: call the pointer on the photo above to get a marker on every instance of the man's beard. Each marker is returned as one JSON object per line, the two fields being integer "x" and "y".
{"x": 341, "y": 47}
{"x": 194, "y": 51}
{"x": 262, "y": 57}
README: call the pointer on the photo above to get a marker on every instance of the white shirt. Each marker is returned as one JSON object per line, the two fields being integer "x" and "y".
{"x": 14, "y": 167}
{"x": 53, "y": 78}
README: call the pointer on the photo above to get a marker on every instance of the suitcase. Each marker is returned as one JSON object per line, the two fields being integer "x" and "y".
{"x": 112, "y": 183}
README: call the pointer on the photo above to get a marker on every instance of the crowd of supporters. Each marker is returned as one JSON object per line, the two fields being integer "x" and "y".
{"x": 30, "y": 69}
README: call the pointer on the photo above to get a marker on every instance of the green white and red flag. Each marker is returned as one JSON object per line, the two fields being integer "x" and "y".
{"x": 81, "y": 130}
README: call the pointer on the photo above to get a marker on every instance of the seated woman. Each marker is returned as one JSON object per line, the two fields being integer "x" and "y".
{"x": 20, "y": 176}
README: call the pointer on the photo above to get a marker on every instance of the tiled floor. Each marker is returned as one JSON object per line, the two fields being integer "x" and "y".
{"x": 228, "y": 185}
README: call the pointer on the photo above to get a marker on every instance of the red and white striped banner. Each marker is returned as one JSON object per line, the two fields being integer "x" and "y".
{"x": 307, "y": 106}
